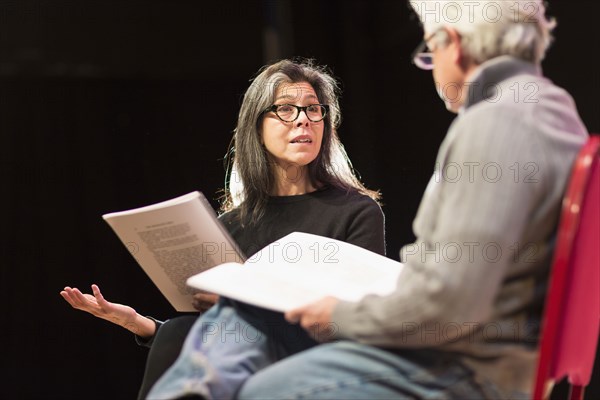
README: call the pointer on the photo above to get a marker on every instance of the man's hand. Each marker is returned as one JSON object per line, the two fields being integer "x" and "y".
{"x": 316, "y": 318}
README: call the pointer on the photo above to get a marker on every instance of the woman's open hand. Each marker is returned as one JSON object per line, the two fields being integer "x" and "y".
{"x": 98, "y": 306}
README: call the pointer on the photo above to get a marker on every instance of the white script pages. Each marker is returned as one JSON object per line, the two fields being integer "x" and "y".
{"x": 174, "y": 240}
{"x": 301, "y": 268}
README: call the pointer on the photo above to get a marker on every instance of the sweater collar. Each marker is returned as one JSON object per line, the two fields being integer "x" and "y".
{"x": 483, "y": 84}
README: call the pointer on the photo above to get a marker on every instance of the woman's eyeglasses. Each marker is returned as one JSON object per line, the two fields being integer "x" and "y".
{"x": 291, "y": 112}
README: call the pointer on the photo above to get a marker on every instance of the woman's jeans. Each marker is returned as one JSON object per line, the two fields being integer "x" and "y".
{"x": 220, "y": 352}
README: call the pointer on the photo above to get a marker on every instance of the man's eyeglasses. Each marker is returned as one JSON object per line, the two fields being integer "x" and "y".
{"x": 422, "y": 57}
{"x": 291, "y": 112}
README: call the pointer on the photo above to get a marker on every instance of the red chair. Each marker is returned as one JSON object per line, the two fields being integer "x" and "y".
{"x": 572, "y": 306}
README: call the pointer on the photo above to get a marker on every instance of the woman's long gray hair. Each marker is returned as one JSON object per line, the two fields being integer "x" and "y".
{"x": 250, "y": 179}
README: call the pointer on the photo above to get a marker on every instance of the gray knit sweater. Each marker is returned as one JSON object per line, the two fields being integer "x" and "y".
{"x": 475, "y": 277}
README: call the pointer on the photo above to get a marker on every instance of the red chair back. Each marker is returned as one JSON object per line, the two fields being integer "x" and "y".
{"x": 572, "y": 305}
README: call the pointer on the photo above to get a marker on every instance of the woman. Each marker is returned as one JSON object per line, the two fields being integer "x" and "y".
{"x": 287, "y": 172}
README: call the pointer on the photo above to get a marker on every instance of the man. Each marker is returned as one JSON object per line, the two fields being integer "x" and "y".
{"x": 464, "y": 319}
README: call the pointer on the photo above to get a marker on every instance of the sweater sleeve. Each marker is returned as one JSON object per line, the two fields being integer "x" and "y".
{"x": 455, "y": 268}
{"x": 147, "y": 342}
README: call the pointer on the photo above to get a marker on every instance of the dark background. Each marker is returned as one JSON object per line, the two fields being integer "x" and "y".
{"x": 109, "y": 105}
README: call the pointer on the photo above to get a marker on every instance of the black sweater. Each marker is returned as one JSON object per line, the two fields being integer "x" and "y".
{"x": 350, "y": 217}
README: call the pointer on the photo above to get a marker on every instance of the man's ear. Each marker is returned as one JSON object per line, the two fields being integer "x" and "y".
{"x": 455, "y": 44}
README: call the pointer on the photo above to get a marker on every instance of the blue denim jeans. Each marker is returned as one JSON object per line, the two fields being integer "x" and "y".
{"x": 349, "y": 370}
{"x": 220, "y": 352}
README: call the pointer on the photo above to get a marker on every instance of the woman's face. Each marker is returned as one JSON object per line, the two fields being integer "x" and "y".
{"x": 297, "y": 143}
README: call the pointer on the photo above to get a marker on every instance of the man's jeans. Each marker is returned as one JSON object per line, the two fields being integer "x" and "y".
{"x": 349, "y": 370}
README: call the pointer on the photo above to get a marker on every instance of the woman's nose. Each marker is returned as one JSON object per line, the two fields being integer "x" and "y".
{"x": 302, "y": 119}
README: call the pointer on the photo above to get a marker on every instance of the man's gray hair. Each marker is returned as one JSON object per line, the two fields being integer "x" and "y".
{"x": 489, "y": 29}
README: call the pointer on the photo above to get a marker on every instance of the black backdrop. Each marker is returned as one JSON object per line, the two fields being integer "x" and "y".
{"x": 108, "y": 105}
